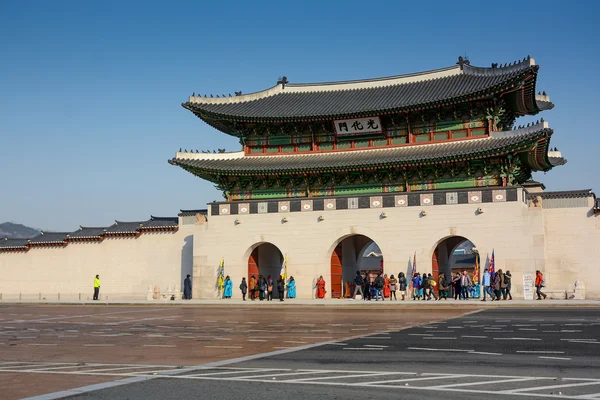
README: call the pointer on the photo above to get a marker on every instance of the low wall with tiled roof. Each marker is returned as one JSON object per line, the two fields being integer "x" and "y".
{"x": 130, "y": 257}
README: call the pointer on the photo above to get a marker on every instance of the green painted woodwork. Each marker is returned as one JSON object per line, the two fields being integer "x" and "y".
{"x": 400, "y": 140}
{"x": 422, "y": 138}
{"x": 477, "y": 132}
{"x": 254, "y": 150}
{"x": 459, "y": 135}
{"x": 288, "y": 149}
{"x": 361, "y": 144}
{"x": 440, "y": 136}
{"x": 272, "y": 149}
{"x": 358, "y": 189}
{"x": 380, "y": 142}
{"x": 343, "y": 145}
{"x": 303, "y": 147}
{"x": 328, "y": 146}
{"x": 279, "y": 140}
{"x": 457, "y": 184}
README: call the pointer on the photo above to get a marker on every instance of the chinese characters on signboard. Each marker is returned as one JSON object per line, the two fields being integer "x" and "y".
{"x": 357, "y": 126}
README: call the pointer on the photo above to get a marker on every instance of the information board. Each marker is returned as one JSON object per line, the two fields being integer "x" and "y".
{"x": 528, "y": 286}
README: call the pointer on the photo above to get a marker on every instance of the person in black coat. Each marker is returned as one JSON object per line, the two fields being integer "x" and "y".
{"x": 280, "y": 287}
{"x": 457, "y": 287}
{"x": 187, "y": 288}
{"x": 244, "y": 288}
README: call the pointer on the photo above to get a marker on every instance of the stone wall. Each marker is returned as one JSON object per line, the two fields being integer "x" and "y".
{"x": 127, "y": 266}
{"x": 515, "y": 231}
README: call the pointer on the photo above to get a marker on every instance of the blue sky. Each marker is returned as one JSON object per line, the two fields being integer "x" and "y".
{"x": 91, "y": 92}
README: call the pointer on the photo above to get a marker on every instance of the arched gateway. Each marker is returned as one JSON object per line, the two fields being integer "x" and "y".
{"x": 354, "y": 253}
{"x": 265, "y": 259}
{"x": 451, "y": 255}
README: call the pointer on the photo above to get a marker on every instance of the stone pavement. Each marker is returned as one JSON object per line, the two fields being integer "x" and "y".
{"x": 324, "y": 302}
{"x": 178, "y": 335}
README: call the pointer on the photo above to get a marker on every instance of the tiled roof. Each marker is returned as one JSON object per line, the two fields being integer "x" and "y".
{"x": 186, "y": 213}
{"x": 337, "y": 99}
{"x": 160, "y": 223}
{"x": 120, "y": 227}
{"x": 49, "y": 238}
{"x": 87, "y": 233}
{"x": 13, "y": 244}
{"x": 355, "y": 159}
{"x": 531, "y": 183}
{"x": 565, "y": 194}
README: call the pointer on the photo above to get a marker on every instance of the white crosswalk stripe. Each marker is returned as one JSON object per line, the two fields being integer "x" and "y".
{"x": 529, "y": 386}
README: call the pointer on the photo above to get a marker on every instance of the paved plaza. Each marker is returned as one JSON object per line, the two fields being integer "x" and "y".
{"x": 334, "y": 351}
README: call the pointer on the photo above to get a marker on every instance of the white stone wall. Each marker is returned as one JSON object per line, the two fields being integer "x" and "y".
{"x": 561, "y": 242}
{"x": 514, "y": 231}
{"x": 572, "y": 243}
{"x": 127, "y": 266}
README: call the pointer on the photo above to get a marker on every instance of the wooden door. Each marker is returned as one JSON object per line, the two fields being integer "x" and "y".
{"x": 336, "y": 272}
{"x": 435, "y": 268}
{"x": 253, "y": 264}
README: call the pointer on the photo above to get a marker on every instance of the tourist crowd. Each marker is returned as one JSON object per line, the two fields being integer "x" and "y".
{"x": 459, "y": 286}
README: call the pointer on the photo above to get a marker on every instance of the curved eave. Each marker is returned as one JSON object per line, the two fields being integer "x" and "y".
{"x": 523, "y": 98}
{"x": 160, "y": 229}
{"x": 557, "y": 161}
{"x": 85, "y": 239}
{"x": 48, "y": 244}
{"x": 122, "y": 234}
{"x": 16, "y": 249}
{"x": 530, "y": 142}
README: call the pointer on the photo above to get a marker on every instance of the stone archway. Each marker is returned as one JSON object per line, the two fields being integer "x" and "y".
{"x": 353, "y": 253}
{"x": 445, "y": 257}
{"x": 265, "y": 259}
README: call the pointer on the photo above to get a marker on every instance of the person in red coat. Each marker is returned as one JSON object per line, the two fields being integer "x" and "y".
{"x": 386, "y": 286}
{"x": 321, "y": 287}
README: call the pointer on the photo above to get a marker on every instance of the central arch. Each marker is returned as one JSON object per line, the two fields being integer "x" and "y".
{"x": 354, "y": 253}
{"x": 265, "y": 259}
{"x": 453, "y": 254}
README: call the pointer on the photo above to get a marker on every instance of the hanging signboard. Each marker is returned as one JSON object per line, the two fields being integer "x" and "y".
{"x": 357, "y": 126}
{"x": 528, "y": 286}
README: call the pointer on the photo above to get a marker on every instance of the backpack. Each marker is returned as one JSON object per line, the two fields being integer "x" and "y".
{"x": 433, "y": 283}
{"x": 543, "y": 282}
{"x": 359, "y": 280}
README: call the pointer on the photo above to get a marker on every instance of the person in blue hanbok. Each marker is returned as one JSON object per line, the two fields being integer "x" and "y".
{"x": 291, "y": 288}
{"x": 228, "y": 288}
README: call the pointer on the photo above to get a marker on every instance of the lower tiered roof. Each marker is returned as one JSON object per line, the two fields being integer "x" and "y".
{"x": 532, "y": 141}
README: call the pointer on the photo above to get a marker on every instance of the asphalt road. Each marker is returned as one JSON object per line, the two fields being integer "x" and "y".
{"x": 505, "y": 353}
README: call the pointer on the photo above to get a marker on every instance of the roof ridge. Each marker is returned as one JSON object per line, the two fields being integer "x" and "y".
{"x": 284, "y": 87}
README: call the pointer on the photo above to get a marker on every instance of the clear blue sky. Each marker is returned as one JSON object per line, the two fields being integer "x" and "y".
{"x": 91, "y": 92}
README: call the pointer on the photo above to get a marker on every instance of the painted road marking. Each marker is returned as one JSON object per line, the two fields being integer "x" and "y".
{"x": 362, "y": 348}
{"x": 462, "y": 384}
{"x": 428, "y": 349}
{"x": 555, "y": 358}
{"x": 540, "y": 352}
{"x": 516, "y": 338}
{"x": 513, "y": 391}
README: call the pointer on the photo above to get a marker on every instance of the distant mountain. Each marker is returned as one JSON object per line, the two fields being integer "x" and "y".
{"x": 17, "y": 231}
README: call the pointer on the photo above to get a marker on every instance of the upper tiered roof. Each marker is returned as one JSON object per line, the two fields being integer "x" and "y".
{"x": 431, "y": 89}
